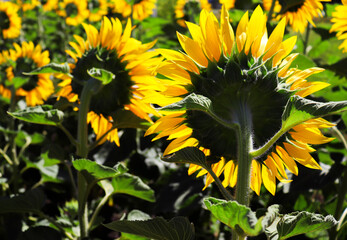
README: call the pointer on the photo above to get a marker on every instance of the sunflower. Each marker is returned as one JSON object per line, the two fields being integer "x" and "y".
{"x": 340, "y": 22}
{"x": 247, "y": 72}
{"x": 133, "y": 65}
{"x": 4, "y": 91}
{"x": 298, "y": 13}
{"x": 98, "y": 9}
{"x": 141, "y": 9}
{"x": 183, "y": 8}
{"x": 10, "y": 22}
{"x": 74, "y": 11}
{"x": 27, "y": 5}
{"x": 49, "y": 5}
{"x": 228, "y": 3}
{"x": 27, "y": 58}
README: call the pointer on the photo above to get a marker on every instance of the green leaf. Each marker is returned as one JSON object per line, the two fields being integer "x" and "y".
{"x": 237, "y": 216}
{"x": 299, "y": 110}
{"x": 188, "y": 155}
{"x": 178, "y": 228}
{"x": 94, "y": 172}
{"x": 17, "y": 82}
{"x": 49, "y": 173}
{"x": 44, "y": 114}
{"x": 102, "y": 75}
{"x": 51, "y": 68}
{"x": 30, "y": 201}
{"x": 132, "y": 185}
{"x": 127, "y": 119}
{"x": 23, "y": 137}
{"x": 303, "y": 222}
{"x": 133, "y": 216}
{"x": 270, "y": 221}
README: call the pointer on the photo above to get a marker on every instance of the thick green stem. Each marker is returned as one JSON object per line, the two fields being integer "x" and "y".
{"x": 258, "y": 152}
{"x": 244, "y": 141}
{"x": 307, "y": 36}
{"x": 82, "y": 151}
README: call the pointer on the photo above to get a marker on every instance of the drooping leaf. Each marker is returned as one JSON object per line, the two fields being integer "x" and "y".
{"x": 178, "y": 228}
{"x": 30, "y": 201}
{"x": 51, "y": 68}
{"x": 132, "y": 185}
{"x": 303, "y": 222}
{"x": 191, "y": 102}
{"x": 299, "y": 110}
{"x": 23, "y": 137}
{"x": 102, "y": 75}
{"x": 44, "y": 114}
{"x": 188, "y": 155}
{"x": 239, "y": 217}
{"x": 94, "y": 172}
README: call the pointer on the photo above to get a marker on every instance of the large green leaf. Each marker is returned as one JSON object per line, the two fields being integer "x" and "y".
{"x": 132, "y": 185}
{"x": 188, "y": 155}
{"x": 178, "y": 228}
{"x": 94, "y": 172}
{"x": 102, "y": 75}
{"x": 239, "y": 217}
{"x": 44, "y": 114}
{"x": 298, "y": 223}
{"x": 300, "y": 109}
{"x": 30, "y": 201}
{"x": 51, "y": 68}
{"x": 135, "y": 215}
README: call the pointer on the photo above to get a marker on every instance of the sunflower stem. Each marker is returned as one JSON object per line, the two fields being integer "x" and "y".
{"x": 307, "y": 36}
{"x": 244, "y": 141}
{"x": 82, "y": 151}
{"x": 260, "y": 151}
{"x": 224, "y": 192}
{"x": 269, "y": 16}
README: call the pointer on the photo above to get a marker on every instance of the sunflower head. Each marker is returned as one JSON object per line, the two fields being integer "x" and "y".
{"x": 49, "y": 5}
{"x": 297, "y": 12}
{"x": 97, "y": 9}
{"x": 74, "y": 11}
{"x": 240, "y": 77}
{"x": 26, "y": 58}
{"x": 339, "y": 22}
{"x": 10, "y": 22}
{"x": 27, "y": 5}
{"x": 184, "y": 9}
{"x": 112, "y": 50}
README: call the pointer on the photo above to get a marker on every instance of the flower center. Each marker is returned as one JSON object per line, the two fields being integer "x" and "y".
{"x": 237, "y": 88}
{"x": 71, "y": 10}
{"x": 4, "y": 21}
{"x": 291, "y": 6}
{"x": 114, "y": 95}
{"x": 94, "y": 6}
{"x": 26, "y": 65}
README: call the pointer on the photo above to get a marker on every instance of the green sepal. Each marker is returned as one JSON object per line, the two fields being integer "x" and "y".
{"x": 191, "y": 155}
{"x": 17, "y": 82}
{"x": 94, "y": 172}
{"x": 31, "y": 201}
{"x": 178, "y": 228}
{"x": 238, "y": 217}
{"x": 127, "y": 119}
{"x": 52, "y": 68}
{"x": 102, "y": 75}
{"x": 300, "y": 109}
{"x": 44, "y": 114}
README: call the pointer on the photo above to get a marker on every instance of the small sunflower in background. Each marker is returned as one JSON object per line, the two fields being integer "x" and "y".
{"x": 229, "y": 4}
{"x": 28, "y": 57}
{"x": 298, "y": 13}
{"x": 4, "y": 91}
{"x": 186, "y": 8}
{"x": 140, "y": 9}
{"x": 10, "y": 22}
{"x": 27, "y": 5}
{"x": 49, "y": 5}
{"x": 340, "y": 22}
{"x": 249, "y": 71}
{"x": 74, "y": 11}
{"x": 97, "y": 9}
{"x": 113, "y": 50}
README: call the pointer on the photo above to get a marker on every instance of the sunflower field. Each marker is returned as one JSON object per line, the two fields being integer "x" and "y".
{"x": 173, "y": 119}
